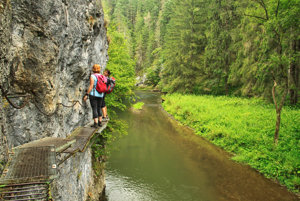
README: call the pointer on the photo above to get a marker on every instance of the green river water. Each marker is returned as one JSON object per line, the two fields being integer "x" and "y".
{"x": 160, "y": 160}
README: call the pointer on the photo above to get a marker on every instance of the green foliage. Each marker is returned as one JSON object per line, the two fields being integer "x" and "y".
{"x": 137, "y": 20}
{"x": 184, "y": 44}
{"x": 220, "y": 52}
{"x": 153, "y": 78}
{"x": 267, "y": 53}
{"x": 144, "y": 88}
{"x": 245, "y": 127}
{"x": 122, "y": 68}
{"x": 115, "y": 129}
{"x": 214, "y": 47}
{"x": 138, "y": 105}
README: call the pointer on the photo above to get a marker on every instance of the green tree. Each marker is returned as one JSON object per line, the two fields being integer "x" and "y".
{"x": 277, "y": 22}
{"x": 121, "y": 66}
{"x": 220, "y": 50}
{"x": 140, "y": 38}
{"x": 184, "y": 46}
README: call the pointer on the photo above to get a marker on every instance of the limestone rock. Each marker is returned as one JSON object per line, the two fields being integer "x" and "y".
{"x": 47, "y": 49}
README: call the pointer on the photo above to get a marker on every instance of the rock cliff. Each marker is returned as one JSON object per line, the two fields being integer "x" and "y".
{"x": 47, "y": 49}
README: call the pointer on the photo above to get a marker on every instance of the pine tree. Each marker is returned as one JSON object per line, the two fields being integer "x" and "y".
{"x": 219, "y": 52}
{"x": 184, "y": 46}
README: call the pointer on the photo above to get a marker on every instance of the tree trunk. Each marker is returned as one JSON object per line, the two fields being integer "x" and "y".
{"x": 226, "y": 85}
{"x": 294, "y": 86}
{"x": 278, "y": 110}
{"x": 276, "y": 135}
{"x": 294, "y": 75}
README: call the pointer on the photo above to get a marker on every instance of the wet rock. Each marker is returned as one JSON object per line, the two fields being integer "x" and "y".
{"x": 140, "y": 80}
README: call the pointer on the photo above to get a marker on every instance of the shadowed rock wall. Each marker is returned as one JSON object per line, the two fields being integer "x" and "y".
{"x": 47, "y": 48}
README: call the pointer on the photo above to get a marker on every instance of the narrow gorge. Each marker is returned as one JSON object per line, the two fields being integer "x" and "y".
{"x": 47, "y": 49}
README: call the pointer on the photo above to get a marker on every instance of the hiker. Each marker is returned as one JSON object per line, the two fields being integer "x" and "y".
{"x": 95, "y": 97}
{"x": 106, "y": 73}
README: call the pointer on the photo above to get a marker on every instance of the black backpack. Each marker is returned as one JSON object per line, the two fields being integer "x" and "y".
{"x": 111, "y": 83}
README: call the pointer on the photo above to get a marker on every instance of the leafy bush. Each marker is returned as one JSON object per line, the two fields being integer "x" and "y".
{"x": 138, "y": 105}
{"x": 121, "y": 66}
{"x": 115, "y": 129}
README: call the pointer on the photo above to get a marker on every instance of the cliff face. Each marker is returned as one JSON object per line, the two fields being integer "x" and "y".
{"x": 47, "y": 49}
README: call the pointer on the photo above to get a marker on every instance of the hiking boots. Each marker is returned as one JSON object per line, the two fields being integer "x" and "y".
{"x": 105, "y": 118}
{"x": 95, "y": 125}
{"x": 99, "y": 124}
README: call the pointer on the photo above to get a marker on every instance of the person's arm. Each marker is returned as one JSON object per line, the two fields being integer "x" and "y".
{"x": 89, "y": 89}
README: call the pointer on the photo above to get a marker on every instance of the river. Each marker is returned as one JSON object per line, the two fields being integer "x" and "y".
{"x": 161, "y": 160}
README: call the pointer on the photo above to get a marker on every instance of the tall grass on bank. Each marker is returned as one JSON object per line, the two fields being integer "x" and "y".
{"x": 245, "y": 127}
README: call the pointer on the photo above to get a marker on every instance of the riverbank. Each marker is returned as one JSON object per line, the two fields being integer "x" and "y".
{"x": 245, "y": 127}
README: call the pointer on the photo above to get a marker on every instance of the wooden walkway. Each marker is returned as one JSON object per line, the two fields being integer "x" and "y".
{"x": 33, "y": 166}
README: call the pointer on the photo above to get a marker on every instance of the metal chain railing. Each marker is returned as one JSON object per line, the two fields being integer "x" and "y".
{"x": 74, "y": 103}
{"x": 57, "y": 104}
{"x": 27, "y": 100}
{"x": 42, "y": 111}
{"x": 5, "y": 94}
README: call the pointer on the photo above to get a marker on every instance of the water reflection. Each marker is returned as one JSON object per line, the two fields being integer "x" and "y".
{"x": 124, "y": 188}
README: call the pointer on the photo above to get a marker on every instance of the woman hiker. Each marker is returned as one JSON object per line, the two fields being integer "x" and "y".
{"x": 95, "y": 97}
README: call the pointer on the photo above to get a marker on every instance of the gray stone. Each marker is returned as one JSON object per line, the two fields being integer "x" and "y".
{"x": 47, "y": 49}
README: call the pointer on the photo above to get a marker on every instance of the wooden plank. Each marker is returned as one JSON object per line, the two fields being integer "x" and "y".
{"x": 82, "y": 137}
{"x": 59, "y": 143}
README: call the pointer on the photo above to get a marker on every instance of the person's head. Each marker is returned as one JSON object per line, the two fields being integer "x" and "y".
{"x": 96, "y": 68}
{"x": 106, "y": 73}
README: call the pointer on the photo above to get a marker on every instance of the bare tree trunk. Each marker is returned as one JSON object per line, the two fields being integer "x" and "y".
{"x": 278, "y": 110}
{"x": 276, "y": 135}
{"x": 294, "y": 75}
{"x": 226, "y": 85}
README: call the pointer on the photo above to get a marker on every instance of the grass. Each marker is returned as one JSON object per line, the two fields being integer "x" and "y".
{"x": 138, "y": 105}
{"x": 245, "y": 127}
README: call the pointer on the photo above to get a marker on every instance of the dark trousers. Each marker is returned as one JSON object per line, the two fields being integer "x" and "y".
{"x": 96, "y": 103}
{"x": 103, "y": 101}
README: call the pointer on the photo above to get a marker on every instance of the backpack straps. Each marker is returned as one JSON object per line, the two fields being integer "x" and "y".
{"x": 95, "y": 84}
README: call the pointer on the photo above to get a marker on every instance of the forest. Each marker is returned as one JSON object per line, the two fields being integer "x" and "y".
{"x": 220, "y": 47}
{"x": 244, "y": 49}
